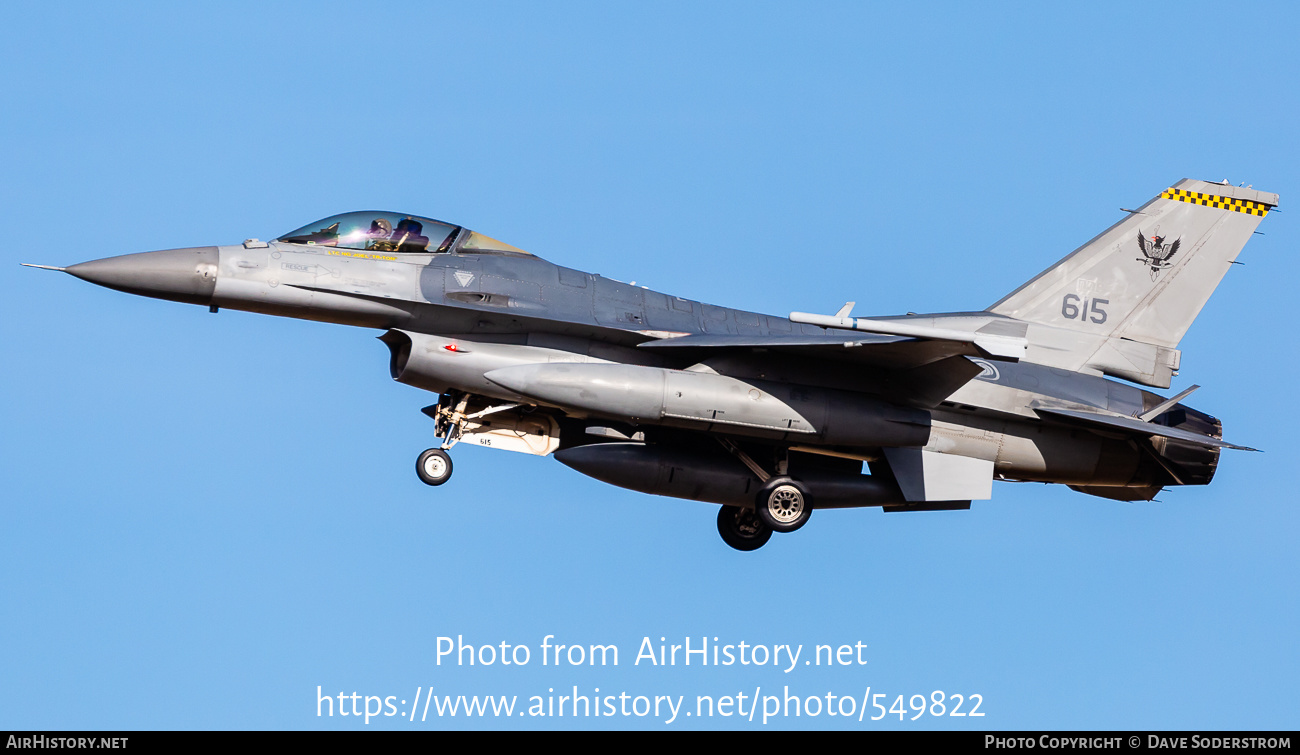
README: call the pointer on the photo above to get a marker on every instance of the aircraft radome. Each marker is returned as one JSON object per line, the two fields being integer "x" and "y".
{"x": 771, "y": 417}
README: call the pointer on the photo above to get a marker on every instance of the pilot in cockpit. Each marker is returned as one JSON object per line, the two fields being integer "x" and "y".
{"x": 379, "y": 234}
{"x": 409, "y": 236}
{"x": 406, "y": 237}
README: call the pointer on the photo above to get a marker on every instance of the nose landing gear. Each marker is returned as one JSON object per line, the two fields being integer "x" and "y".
{"x": 433, "y": 467}
{"x": 454, "y": 419}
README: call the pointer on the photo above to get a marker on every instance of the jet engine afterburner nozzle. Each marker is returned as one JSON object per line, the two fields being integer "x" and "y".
{"x": 184, "y": 275}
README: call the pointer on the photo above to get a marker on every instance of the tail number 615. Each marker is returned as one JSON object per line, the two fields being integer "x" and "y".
{"x": 1074, "y": 308}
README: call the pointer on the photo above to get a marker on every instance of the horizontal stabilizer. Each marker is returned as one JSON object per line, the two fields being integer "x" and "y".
{"x": 1136, "y": 426}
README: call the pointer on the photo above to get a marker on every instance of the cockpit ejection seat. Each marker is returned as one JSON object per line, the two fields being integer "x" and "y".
{"x": 408, "y": 236}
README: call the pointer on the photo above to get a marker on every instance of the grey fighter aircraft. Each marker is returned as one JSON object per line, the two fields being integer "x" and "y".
{"x": 771, "y": 417}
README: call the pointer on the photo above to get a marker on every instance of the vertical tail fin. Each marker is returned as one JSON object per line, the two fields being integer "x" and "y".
{"x": 1146, "y": 278}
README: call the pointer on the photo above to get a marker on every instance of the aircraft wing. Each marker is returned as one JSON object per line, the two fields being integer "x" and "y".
{"x": 886, "y": 351}
{"x": 1134, "y": 425}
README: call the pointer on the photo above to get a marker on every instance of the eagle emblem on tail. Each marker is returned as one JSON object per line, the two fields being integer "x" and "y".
{"x": 1156, "y": 253}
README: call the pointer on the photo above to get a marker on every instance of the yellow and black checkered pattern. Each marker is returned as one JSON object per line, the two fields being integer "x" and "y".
{"x": 1214, "y": 200}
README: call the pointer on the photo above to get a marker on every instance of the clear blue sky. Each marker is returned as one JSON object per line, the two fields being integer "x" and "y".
{"x": 205, "y": 517}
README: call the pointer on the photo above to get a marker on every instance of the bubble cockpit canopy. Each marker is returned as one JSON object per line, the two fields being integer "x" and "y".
{"x": 394, "y": 232}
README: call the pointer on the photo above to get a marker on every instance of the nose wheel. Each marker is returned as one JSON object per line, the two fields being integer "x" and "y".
{"x": 433, "y": 467}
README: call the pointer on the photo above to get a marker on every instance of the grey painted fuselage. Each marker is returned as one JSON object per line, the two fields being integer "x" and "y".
{"x": 677, "y": 397}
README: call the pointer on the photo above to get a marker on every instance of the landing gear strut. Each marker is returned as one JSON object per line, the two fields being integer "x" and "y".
{"x": 433, "y": 467}
{"x": 449, "y": 417}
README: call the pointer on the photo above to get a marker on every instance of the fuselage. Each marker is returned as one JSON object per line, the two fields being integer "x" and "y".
{"x": 519, "y": 302}
{"x": 769, "y": 416}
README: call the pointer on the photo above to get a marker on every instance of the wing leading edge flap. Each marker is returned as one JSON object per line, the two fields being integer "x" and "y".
{"x": 1134, "y": 425}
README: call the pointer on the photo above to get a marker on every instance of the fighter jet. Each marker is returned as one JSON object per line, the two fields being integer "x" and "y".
{"x": 771, "y": 417}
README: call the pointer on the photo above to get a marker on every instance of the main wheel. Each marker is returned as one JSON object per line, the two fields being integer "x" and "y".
{"x": 433, "y": 466}
{"x": 784, "y": 504}
{"x": 742, "y": 529}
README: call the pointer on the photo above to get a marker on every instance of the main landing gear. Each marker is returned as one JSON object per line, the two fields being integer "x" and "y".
{"x": 783, "y": 504}
{"x": 742, "y": 529}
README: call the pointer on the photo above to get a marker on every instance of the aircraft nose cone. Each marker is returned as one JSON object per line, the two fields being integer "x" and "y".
{"x": 185, "y": 275}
